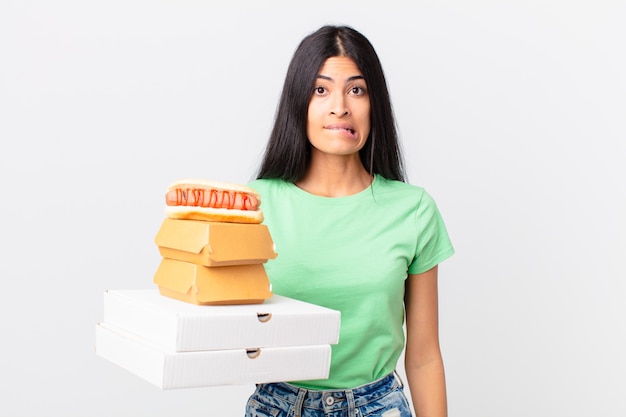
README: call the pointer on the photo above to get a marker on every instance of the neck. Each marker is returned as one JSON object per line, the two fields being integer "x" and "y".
{"x": 330, "y": 177}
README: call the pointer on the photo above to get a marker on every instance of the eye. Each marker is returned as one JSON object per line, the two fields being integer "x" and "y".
{"x": 319, "y": 90}
{"x": 357, "y": 91}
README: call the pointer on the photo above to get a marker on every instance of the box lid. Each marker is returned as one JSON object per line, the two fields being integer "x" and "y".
{"x": 199, "y": 284}
{"x": 222, "y": 242}
{"x": 179, "y": 326}
{"x": 175, "y": 370}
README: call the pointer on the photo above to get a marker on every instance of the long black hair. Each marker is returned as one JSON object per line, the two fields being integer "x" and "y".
{"x": 288, "y": 151}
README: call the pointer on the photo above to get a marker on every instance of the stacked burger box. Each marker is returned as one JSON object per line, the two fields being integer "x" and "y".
{"x": 213, "y": 319}
{"x": 214, "y": 262}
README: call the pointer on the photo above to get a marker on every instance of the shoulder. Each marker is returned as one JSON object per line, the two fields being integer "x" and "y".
{"x": 270, "y": 188}
{"x": 266, "y": 184}
{"x": 399, "y": 190}
{"x": 405, "y": 196}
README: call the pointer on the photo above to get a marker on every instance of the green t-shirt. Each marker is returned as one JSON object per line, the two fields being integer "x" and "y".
{"x": 353, "y": 254}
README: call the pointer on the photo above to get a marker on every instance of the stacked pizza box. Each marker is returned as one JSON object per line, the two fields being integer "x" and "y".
{"x": 213, "y": 320}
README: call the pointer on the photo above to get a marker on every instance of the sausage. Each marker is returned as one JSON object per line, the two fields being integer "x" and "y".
{"x": 211, "y": 197}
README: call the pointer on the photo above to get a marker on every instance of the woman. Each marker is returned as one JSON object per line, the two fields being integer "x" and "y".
{"x": 351, "y": 236}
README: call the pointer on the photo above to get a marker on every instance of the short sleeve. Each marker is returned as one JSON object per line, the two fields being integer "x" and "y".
{"x": 433, "y": 242}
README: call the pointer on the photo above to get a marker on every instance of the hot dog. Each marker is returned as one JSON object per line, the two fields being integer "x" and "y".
{"x": 199, "y": 199}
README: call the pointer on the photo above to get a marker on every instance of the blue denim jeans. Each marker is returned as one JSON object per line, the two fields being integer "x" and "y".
{"x": 382, "y": 398}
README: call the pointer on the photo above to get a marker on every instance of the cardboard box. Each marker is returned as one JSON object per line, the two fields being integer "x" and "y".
{"x": 174, "y": 370}
{"x": 215, "y": 243}
{"x": 197, "y": 284}
{"x": 178, "y": 326}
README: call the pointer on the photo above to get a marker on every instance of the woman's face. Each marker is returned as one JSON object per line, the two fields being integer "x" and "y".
{"x": 338, "y": 120}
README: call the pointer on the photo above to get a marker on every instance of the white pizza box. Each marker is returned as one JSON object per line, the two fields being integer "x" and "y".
{"x": 175, "y": 370}
{"x": 179, "y": 326}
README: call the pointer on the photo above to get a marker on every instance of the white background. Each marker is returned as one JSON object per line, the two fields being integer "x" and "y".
{"x": 512, "y": 115}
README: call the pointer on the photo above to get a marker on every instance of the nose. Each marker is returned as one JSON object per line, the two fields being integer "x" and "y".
{"x": 339, "y": 106}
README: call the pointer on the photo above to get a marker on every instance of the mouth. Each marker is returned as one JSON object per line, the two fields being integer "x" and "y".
{"x": 347, "y": 128}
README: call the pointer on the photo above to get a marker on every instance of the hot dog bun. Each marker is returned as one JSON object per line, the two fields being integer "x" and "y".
{"x": 201, "y": 199}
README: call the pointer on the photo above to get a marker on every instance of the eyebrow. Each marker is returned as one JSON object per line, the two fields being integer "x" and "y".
{"x": 352, "y": 78}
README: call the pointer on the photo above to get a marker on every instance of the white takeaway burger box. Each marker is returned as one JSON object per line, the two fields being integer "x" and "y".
{"x": 174, "y": 344}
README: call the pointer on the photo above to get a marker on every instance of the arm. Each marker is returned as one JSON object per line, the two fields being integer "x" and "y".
{"x": 423, "y": 361}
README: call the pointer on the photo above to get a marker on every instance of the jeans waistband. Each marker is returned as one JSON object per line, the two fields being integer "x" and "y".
{"x": 333, "y": 399}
